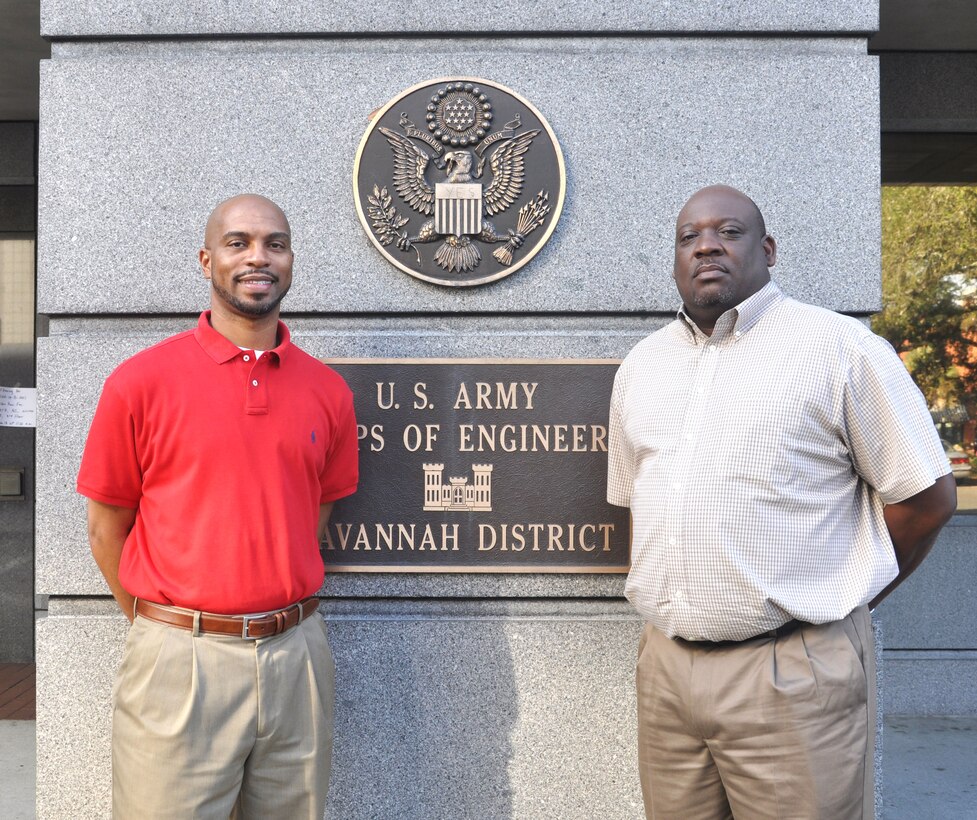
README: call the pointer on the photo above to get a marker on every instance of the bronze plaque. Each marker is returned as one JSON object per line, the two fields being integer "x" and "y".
{"x": 459, "y": 181}
{"x": 479, "y": 466}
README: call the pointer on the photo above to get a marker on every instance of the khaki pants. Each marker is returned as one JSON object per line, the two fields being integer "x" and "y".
{"x": 215, "y": 726}
{"x": 773, "y": 727}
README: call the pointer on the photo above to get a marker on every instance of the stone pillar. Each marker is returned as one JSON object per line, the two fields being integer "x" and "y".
{"x": 457, "y": 695}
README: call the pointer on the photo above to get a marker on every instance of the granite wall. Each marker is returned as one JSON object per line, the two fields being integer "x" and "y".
{"x": 930, "y": 629}
{"x": 458, "y": 695}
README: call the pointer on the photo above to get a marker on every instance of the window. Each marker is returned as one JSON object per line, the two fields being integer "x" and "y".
{"x": 929, "y": 311}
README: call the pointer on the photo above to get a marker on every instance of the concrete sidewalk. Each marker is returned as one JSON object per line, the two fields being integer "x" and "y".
{"x": 929, "y": 769}
{"x": 17, "y": 769}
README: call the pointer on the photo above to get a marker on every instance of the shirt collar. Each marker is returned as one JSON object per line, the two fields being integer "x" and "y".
{"x": 738, "y": 320}
{"x": 222, "y": 350}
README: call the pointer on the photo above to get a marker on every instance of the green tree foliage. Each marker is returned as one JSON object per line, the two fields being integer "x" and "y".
{"x": 929, "y": 288}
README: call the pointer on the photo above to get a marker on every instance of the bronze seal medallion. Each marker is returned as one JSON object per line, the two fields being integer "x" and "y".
{"x": 459, "y": 182}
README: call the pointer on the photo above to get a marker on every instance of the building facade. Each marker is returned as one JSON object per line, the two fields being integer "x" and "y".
{"x": 473, "y": 695}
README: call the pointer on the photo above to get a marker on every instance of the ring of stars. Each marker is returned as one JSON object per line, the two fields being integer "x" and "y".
{"x": 459, "y": 114}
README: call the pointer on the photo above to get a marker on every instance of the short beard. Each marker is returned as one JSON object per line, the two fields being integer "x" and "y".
{"x": 255, "y": 309}
{"x": 724, "y": 297}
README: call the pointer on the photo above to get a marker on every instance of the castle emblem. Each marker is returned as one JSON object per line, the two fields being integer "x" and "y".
{"x": 458, "y": 495}
{"x": 460, "y": 200}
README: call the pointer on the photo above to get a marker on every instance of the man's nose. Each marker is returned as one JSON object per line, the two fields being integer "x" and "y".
{"x": 257, "y": 255}
{"x": 707, "y": 244}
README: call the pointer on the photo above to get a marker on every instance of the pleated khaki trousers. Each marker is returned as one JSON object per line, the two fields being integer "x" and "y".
{"x": 217, "y": 727}
{"x": 776, "y": 727}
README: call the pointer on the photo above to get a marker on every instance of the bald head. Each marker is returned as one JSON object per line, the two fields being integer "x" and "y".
{"x": 724, "y": 193}
{"x": 242, "y": 205}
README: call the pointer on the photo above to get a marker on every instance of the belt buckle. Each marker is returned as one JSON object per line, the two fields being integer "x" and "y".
{"x": 280, "y": 616}
{"x": 245, "y": 622}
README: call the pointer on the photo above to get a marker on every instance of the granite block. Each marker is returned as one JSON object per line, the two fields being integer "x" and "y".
{"x": 75, "y": 359}
{"x": 138, "y": 142}
{"x": 930, "y": 682}
{"x": 940, "y": 588}
{"x": 929, "y": 92}
{"x": 469, "y": 709}
{"x": 76, "y": 662}
{"x": 108, "y": 18}
{"x": 506, "y": 718}
{"x": 465, "y": 714}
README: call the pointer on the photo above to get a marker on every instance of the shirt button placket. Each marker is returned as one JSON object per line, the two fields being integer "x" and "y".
{"x": 705, "y": 375}
{"x": 679, "y": 478}
{"x": 257, "y": 389}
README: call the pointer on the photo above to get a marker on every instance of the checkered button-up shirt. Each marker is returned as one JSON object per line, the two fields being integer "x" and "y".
{"x": 756, "y": 463}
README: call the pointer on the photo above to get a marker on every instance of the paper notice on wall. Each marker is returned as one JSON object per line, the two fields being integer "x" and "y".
{"x": 18, "y": 407}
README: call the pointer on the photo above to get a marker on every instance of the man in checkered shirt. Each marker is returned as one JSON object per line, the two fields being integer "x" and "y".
{"x": 783, "y": 476}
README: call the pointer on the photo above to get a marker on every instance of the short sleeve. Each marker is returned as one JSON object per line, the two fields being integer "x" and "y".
{"x": 894, "y": 446}
{"x": 110, "y": 470}
{"x": 620, "y": 454}
{"x": 341, "y": 472}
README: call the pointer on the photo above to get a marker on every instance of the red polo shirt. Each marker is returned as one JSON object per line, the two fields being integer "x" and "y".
{"x": 226, "y": 460}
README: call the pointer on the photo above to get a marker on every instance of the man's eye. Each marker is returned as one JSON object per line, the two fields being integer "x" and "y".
{"x": 733, "y": 232}
{"x": 686, "y": 238}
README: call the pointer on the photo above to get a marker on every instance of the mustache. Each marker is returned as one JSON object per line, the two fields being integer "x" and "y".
{"x": 710, "y": 264}
{"x": 256, "y": 272}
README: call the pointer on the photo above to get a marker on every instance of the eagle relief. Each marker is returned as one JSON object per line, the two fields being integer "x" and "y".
{"x": 459, "y": 182}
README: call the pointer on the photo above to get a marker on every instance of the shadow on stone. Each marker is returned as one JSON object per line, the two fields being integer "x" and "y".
{"x": 424, "y": 712}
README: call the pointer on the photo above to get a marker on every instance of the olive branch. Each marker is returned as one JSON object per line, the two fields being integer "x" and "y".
{"x": 385, "y": 220}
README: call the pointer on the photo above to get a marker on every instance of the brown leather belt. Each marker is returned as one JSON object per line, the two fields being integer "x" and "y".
{"x": 250, "y": 627}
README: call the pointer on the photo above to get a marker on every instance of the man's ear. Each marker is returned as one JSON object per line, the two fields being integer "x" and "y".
{"x": 770, "y": 250}
{"x": 204, "y": 257}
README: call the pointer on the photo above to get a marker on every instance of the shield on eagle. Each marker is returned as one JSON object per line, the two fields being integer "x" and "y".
{"x": 458, "y": 208}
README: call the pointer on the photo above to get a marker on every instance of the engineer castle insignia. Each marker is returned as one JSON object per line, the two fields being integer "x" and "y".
{"x": 459, "y": 182}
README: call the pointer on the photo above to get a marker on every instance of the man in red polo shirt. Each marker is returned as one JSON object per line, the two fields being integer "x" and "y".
{"x": 211, "y": 467}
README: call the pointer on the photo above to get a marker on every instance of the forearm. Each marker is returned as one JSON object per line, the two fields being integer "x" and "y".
{"x": 108, "y": 528}
{"x": 914, "y": 525}
{"x": 324, "y": 512}
{"x": 107, "y": 556}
